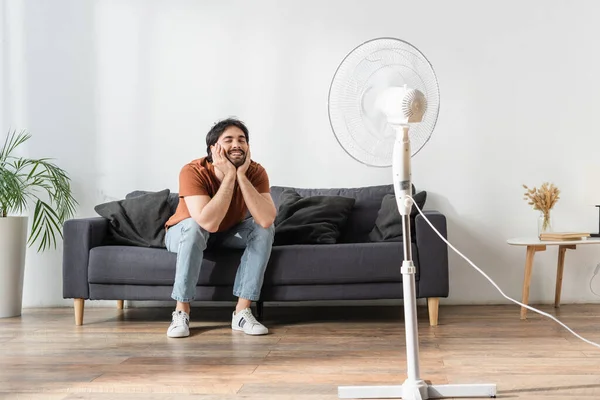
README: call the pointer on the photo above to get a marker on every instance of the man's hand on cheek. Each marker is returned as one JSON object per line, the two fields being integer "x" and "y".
{"x": 221, "y": 162}
{"x": 242, "y": 169}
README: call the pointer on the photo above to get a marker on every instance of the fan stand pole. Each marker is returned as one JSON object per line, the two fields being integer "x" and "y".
{"x": 413, "y": 388}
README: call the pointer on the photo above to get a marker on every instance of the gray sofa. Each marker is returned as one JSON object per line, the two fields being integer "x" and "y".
{"x": 352, "y": 269}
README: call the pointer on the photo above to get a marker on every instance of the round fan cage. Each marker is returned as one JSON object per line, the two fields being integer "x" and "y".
{"x": 360, "y": 128}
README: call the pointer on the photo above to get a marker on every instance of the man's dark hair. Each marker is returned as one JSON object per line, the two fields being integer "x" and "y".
{"x": 217, "y": 130}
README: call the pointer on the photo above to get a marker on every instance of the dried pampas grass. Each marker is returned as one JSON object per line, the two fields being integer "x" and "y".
{"x": 543, "y": 199}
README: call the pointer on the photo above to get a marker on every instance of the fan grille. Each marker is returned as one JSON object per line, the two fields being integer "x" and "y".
{"x": 371, "y": 67}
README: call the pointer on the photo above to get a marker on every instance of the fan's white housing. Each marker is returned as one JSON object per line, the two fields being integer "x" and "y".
{"x": 402, "y": 105}
{"x": 383, "y": 96}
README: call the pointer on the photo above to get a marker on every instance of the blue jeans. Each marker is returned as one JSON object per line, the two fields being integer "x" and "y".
{"x": 189, "y": 241}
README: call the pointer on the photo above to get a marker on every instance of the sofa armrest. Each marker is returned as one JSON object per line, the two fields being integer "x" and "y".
{"x": 79, "y": 237}
{"x": 433, "y": 255}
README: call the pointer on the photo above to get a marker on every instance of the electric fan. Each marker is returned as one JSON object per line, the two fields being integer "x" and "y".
{"x": 383, "y": 105}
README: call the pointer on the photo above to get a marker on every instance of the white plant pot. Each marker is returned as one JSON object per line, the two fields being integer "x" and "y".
{"x": 13, "y": 244}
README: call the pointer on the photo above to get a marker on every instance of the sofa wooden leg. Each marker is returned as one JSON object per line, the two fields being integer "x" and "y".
{"x": 433, "y": 304}
{"x": 78, "y": 303}
{"x": 259, "y": 310}
{"x": 120, "y": 304}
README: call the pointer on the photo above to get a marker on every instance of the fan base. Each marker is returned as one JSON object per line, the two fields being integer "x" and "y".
{"x": 410, "y": 391}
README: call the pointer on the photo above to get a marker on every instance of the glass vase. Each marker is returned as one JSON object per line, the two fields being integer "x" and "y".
{"x": 544, "y": 223}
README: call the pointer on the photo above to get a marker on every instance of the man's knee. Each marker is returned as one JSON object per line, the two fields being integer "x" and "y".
{"x": 266, "y": 233}
{"x": 192, "y": 232}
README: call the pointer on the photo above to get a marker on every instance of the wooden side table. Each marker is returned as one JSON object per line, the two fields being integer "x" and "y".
{"x": 534, "y": 245}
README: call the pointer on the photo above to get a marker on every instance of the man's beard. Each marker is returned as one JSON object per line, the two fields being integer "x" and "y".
{"x": 237, "y": 161}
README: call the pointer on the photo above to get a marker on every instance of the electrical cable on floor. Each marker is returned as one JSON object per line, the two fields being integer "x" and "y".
{"x": 494, "y": 283}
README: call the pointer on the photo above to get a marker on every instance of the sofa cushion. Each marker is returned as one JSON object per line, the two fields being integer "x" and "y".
{"x": 310, "y": 220}
{"x": 173, "y": 198}
{"x": 137, "y": 221}
{"x": 148, "y": 266}
{"x": 361, "y": 220}
{"x": 388, "y": 225}
{"x": 336, "y": 263}
{"x": 288, "y": 265}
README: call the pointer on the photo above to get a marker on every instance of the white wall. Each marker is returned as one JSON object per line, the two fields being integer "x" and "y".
{"x": 122, "y": 93}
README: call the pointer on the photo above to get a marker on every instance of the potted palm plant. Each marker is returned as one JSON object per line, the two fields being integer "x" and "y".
{"x": 26, "y": 182}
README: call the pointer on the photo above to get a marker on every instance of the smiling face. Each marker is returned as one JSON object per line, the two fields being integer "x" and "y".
{"x": 235, "y": 145}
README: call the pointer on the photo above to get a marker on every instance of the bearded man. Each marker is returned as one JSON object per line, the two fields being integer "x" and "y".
{"x": 215, "y": 194}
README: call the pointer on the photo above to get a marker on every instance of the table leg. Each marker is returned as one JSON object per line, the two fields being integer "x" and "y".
{"x": 560, "y": 267}
{"x": 527, "y": 279}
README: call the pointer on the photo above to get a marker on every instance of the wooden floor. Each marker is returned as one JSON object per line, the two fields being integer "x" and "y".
{"x": 308, "y": 353}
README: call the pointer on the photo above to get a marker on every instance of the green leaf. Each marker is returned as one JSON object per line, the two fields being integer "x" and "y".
{"x": 13, "y": 140}
{"x": 13, "y": 191}
{"x": 45, "y": 220}
{"x": 39, "y": 180}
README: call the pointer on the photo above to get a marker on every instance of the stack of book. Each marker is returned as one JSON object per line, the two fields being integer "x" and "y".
{"x": 555, "y": 236}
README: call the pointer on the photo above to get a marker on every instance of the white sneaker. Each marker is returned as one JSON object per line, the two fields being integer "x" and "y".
{"x": 180, "y": 325}
{"x": 245, "y": 321}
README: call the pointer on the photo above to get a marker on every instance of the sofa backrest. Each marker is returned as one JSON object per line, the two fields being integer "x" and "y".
{"x": 361, "y": 220}
{"x": 363, "y": 216}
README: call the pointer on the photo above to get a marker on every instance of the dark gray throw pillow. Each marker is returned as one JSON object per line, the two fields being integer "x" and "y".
{"x": 388, "y": 225}
{"x": 173, "y": 198}
{"x": 139, "y": 220}
{"x": 310, "y": 220}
